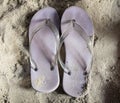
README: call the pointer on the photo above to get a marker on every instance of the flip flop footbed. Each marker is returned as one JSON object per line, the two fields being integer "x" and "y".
{"x": 78, "y": 56}
{"x": 43, "y": 50}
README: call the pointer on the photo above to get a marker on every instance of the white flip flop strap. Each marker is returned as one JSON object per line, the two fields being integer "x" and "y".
{"x": 64, "y": 67}
{"x": 63, "y": 37}
{"x": 46, "y": 22}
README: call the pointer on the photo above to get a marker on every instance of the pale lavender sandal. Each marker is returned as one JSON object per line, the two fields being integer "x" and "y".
{"x": 43, "y": 40}
{"x": 77, "y": 28}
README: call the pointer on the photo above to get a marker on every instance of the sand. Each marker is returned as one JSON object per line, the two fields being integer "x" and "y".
{"x": 104, "y": 78}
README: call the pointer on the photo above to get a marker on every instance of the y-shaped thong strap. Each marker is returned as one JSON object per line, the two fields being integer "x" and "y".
{"x": 43, "y": 23}
{"x": 82, "y": 33}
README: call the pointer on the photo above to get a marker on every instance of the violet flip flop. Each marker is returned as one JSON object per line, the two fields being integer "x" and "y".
{"x": 43, "y": 41}
{"x": 77, "y": 30}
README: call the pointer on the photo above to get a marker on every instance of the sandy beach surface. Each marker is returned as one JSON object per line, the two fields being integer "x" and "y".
{"x": 104, "y": 78}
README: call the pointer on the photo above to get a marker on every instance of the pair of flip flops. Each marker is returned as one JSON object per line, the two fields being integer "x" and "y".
{"x": 45, "y": 46}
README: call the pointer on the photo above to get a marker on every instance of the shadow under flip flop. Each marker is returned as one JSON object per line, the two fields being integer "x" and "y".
{"x": 25, "y": 63}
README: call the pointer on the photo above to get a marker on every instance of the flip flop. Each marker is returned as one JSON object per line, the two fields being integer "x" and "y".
{"x": 77, "y": 29}
{"x": 43, "y": 40}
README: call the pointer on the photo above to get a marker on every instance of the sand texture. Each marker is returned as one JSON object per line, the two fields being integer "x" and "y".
{"x": 104, "y": 78}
